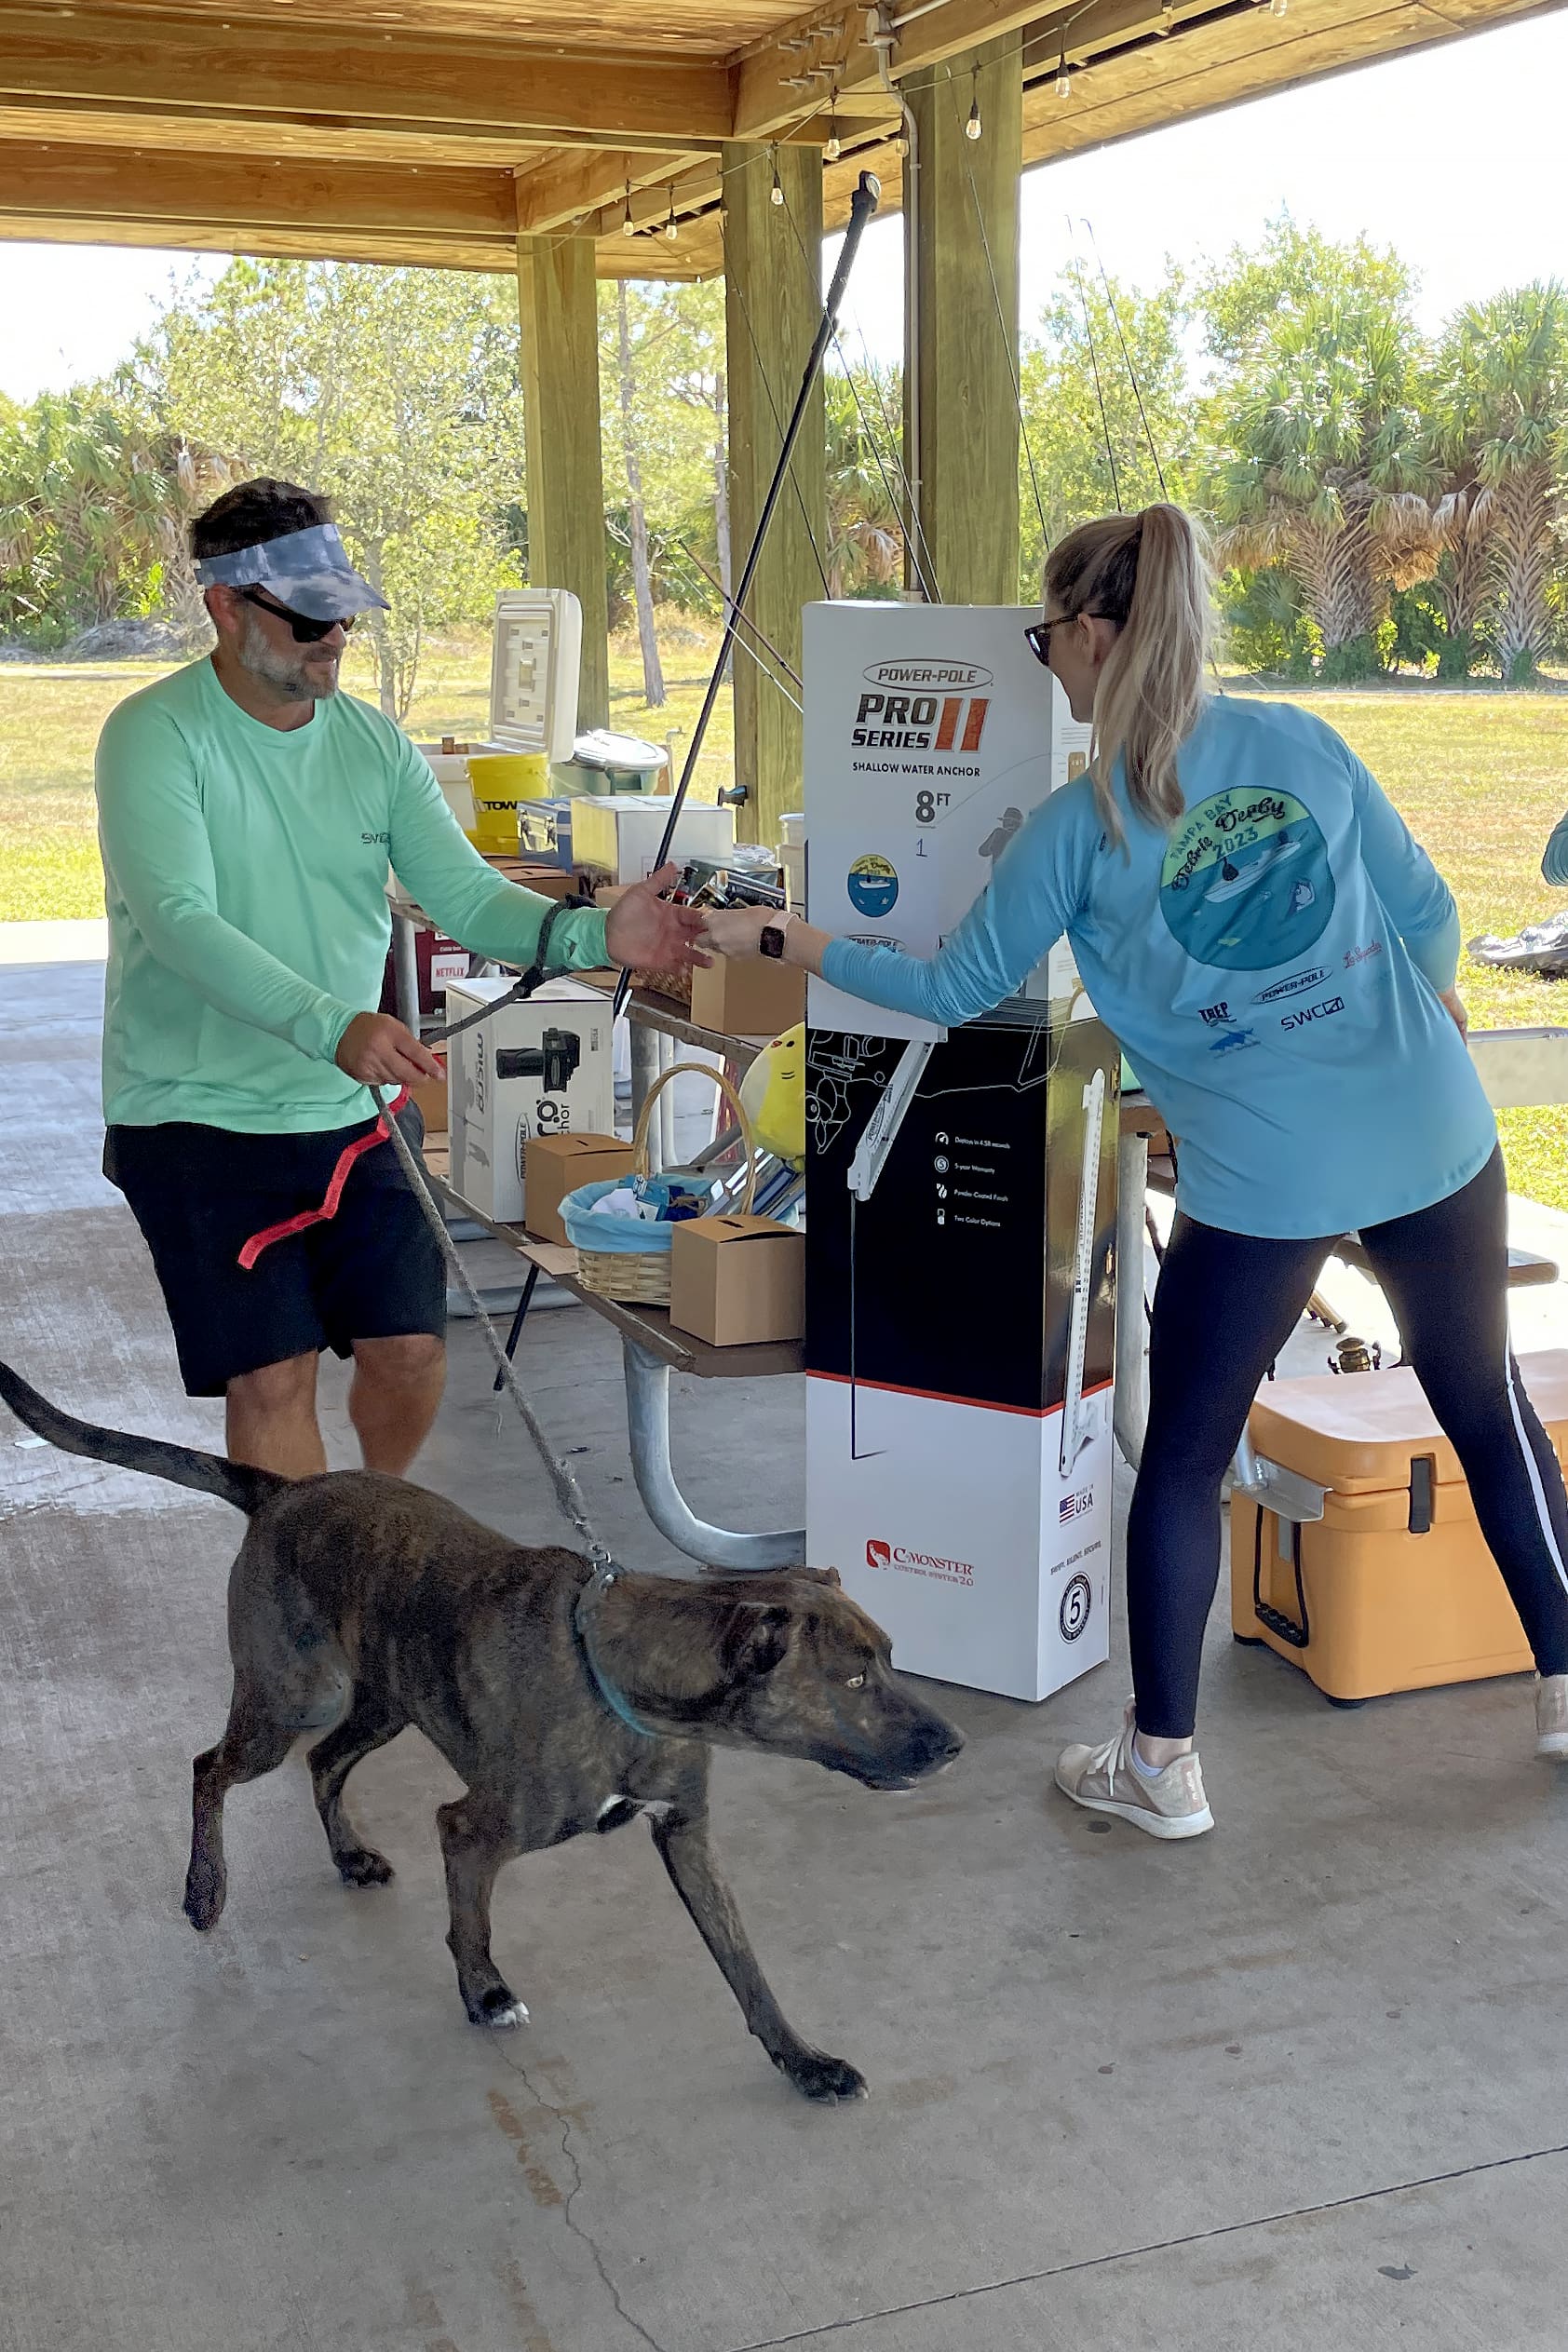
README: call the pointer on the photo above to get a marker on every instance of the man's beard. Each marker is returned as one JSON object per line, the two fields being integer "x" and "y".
{"x": 287, "y": 672}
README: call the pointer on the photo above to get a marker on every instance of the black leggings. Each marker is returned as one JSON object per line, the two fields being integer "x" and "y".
{"x": 1226, "y": 1306}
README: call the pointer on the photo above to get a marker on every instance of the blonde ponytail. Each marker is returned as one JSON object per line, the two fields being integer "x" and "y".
{"x": 1150, "y": 574}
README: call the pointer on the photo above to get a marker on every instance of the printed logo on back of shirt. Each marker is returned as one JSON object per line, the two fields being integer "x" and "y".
{"x": 1233, "y": 1040}
{"x": 1314, "y": 1012}
{"x": 1246, "y": 884}
{"x": 1214, "y": 1016}
{"x": 376, "y": 841}
{"x": 1296, "y": 985}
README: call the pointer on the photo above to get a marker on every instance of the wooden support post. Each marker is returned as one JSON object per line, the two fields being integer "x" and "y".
{"x": 960, "y": 355}
{"x": 557, "y": 303}
{"x": 773, "y": 302}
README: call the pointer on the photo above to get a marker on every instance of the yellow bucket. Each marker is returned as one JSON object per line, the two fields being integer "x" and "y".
{"x": 499, "y": 780}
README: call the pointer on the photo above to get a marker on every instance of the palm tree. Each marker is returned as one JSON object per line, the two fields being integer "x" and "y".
{"x": 1320, "y": 465}
{"x": 865, "y": 529}
{"x": 1495, "y": 406}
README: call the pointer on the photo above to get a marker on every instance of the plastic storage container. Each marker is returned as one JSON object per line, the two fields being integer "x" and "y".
{"x": 1391, "y": 1587}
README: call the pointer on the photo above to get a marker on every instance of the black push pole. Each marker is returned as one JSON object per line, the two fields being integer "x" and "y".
{"x": 862, "y": 204}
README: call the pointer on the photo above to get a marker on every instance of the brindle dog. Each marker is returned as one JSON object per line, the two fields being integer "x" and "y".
{"x": 566, "y": 1700}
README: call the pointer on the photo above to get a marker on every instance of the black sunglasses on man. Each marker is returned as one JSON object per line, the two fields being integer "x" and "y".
{"x": 306, "y": 631}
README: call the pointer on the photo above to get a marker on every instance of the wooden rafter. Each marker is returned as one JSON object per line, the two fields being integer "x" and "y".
{"x": 438, "y": 129}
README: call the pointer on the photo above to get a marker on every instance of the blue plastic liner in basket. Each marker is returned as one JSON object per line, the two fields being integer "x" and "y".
{"x": 625, "y": 1236}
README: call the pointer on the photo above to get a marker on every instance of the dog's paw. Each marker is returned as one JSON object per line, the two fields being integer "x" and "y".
{"x": 360, "y": 1866}
{"x": 514, "y": 2013}
{"x": 499, "y": 2007}
{"x": 204, "y": 1891}
{"x": 816, "y": 2075}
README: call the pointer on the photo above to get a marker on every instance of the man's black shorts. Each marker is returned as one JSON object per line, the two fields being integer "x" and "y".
{"x": 374, "y": 1271}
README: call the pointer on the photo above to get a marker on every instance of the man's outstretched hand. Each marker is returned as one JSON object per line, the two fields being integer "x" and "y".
{"x": 378, "y": 1050}
{"x": 646, "y": 934}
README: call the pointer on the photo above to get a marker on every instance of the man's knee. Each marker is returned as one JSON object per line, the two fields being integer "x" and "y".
{"x": 411, "y": 1359}
{"x": 283, "y": 1388}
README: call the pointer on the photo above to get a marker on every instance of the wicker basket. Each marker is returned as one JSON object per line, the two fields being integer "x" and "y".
{"x": 674, "y": 984}
{"x": 640, "y": 1275}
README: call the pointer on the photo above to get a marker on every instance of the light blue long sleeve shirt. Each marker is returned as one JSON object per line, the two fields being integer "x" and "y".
{"x": 1272, "y": 968}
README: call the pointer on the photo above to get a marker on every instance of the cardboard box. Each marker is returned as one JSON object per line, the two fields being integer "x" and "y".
{"x": 753, "y": 997}
{"x": 430, "y": 1095}
{"x": 931, "y": 733}
{"x": 544, "y": 1067}
{"x": 735, "y": 1280}
{"x": 959, "y": 1350}
{"x": 546, "y": 882}
{"x": 554, "y": 1165}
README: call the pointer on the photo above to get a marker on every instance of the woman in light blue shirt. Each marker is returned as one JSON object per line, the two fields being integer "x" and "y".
{"x": 1276, "y": 956}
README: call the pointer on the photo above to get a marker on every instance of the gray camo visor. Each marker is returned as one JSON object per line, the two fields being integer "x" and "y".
{"x": 309, "y": 571}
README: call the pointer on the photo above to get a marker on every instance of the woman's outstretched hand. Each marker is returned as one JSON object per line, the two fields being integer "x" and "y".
{"x": 737, "y": 931}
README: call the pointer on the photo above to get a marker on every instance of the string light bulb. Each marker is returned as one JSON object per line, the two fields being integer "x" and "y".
{"x": 833, "y": 146}
{"x": 629, "y": 227}
{"x": 1276, "y": 8}
{"x": 1063, "y": 76}
{"x": 974, "y": 127}
{"x": 776, "y": 193}
{"x": 901, "y": 144}
{"x": 671, "y": 226}
{"x": 1167, "y": 17}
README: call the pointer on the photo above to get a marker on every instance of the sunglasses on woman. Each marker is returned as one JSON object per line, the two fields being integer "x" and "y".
{"x": 1038, "y": 636}
{"x": 306, "y": 631}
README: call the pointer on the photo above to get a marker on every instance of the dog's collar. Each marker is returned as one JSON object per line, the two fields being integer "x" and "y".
{"x": 584, "y": 1610}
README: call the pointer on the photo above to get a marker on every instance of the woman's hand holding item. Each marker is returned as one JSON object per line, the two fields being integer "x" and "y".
{"x": 1456, "y": 1004}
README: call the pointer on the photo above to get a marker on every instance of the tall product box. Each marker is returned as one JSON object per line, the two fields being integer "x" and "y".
{"x": 960, "y": 1247}
{"x": 931, "y": 733}
{"x": 959, "y": 1336}
{"x": 543, "y": 1067}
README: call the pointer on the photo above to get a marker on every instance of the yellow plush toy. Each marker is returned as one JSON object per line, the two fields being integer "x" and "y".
{"x": 773, "y": 1094}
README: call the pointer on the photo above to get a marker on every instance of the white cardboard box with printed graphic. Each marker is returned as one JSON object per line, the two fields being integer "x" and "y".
{"x": 931, "y": 732}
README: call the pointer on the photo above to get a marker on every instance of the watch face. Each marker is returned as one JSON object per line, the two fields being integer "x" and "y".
{"x": 772, "y": 940}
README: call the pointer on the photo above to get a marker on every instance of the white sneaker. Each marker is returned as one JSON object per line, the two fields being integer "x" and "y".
{"x": 1551, "y": 1715}
{"x": 1167, "y": 1804}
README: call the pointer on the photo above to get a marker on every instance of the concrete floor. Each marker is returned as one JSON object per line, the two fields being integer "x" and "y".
{"x": 1296, "y": 2087}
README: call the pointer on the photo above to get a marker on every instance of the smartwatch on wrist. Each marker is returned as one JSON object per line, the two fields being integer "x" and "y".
{"x": 770, "y": 940}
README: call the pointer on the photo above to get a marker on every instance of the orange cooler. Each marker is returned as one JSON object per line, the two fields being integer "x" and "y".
{"x": 1393, "y": 1588}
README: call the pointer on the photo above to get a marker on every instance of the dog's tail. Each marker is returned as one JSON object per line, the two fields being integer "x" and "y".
{"x": 234, "y": 1483}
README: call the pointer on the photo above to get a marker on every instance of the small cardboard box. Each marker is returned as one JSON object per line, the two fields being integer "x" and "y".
{"x": 735, "y": 1280}
{"x": 748, "y": 996}
{"x": 554, "y": 1165}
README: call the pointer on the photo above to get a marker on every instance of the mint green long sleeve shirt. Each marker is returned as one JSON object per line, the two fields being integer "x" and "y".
{"x": 245, "y": 880}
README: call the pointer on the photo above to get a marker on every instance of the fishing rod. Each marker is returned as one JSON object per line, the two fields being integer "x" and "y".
{"x": 862, "y": 204}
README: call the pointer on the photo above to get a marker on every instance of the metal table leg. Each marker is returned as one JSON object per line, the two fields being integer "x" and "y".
{"x": 647, "y": 1413}
{"x": 405, "y": 968}
{"x": 520, "y": 1318}
{"x": 1130, "y": 1410}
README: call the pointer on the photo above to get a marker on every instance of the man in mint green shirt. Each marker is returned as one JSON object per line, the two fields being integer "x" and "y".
{"x": 247, "y": 815}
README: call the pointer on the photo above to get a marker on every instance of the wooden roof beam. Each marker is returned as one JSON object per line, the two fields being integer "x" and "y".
{"x": 562, "y": 191}
{"x": 241, "y": 194}
{"x": 103, "y": 56}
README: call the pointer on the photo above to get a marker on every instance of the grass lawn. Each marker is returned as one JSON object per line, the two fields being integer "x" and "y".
{"x": 1481, "y": 777}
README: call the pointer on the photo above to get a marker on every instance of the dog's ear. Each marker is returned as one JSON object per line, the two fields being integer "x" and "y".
{"x": 754, "y": 1640}
{"x": 823, "y": 1576}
